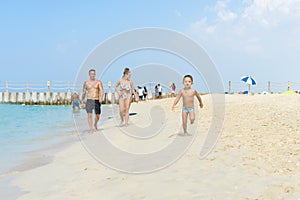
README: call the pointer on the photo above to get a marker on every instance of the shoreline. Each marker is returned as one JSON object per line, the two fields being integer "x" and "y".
{"x": 35, "y": 159}
{"x": 63, "y": 134}
{"x": 41, "y": 156}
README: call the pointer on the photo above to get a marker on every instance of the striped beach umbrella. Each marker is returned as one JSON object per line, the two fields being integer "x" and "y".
{"x": 248, "y": 80}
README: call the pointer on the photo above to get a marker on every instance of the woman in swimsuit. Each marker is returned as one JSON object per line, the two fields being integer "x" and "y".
{"x": 124, "y": 87}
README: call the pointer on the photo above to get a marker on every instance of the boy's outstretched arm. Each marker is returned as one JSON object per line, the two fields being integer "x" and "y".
{"x": 199, "y": 99}
{"x": 176, "y": 100}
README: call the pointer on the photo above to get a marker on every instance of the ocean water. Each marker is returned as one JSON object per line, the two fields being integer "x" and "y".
{"x": 24, "y": 129}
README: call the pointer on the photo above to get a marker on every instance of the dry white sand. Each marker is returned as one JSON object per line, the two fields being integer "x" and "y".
{"x": 256, "y": 157}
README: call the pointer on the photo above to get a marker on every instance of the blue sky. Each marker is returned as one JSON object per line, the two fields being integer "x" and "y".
{"x": 43, "y": 40}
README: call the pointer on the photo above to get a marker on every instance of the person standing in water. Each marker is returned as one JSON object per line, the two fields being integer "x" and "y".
{"x": 75, "y": 101}
{"x": 95, "y": 95}
{"x": 125, "y": 88}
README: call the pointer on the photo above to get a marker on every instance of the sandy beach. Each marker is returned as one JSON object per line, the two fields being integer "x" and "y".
{"x": 256, "y": 157}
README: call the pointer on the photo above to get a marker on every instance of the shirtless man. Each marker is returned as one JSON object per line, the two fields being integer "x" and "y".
{"x": 187, "y": 94}
{"x": 94, "y": 98}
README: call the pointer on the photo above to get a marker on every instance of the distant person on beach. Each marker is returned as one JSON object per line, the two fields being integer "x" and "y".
{"x": 159, "y": 88}
{"x": 156, "y": 92}
{"x": 173, "y": 88}
{"x": 95, "y": 95}
{"x": 125, "y": 88}
{"x": 133, "y": 96}
{"x": 75, "y": 101}
{"x": 187, "y": 94}
{"x": 145, "y": 93}
{"x": 141, "y": 93}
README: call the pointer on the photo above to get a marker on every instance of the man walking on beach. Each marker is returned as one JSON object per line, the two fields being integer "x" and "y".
{"x": 94, "y": 98}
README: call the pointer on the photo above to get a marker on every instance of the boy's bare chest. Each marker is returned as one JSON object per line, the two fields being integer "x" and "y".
{"x": 187, "y": 93}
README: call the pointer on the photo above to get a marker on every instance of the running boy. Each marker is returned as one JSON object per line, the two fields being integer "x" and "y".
{"x": 187, "y": 94}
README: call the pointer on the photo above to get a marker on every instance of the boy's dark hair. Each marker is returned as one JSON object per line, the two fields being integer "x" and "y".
{"x": 188, "y": 76}
{"x": 92, "y": 70}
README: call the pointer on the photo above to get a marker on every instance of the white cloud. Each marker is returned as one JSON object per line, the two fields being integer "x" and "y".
{"x": 263, "y": 33}
{"x": 270, "y": 13}
{"x": 178, "y": 13}
{"x": 223, "y": 12}
{"x": 226, "y": 15}
{"x": 259, "y": 19}
{"x": 202, "y": 26}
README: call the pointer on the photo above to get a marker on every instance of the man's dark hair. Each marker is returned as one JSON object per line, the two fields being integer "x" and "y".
{"x": 92, "y": 70}
{"x": 188, "y": 76}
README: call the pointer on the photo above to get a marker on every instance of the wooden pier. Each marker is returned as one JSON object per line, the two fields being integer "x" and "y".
{"x": 52, "y": 92}
{"x": 54, "y": 98}
{"x": 45, "y": 98}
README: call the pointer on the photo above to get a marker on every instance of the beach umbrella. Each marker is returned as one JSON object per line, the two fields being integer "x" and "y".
{"x": 248, "y": 80}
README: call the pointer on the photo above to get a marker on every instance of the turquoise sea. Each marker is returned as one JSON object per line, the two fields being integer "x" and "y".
{"x": 24, "y": 129}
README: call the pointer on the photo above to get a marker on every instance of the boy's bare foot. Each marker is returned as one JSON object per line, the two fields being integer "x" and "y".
{"x": 91, "y": 131}
{"x": 121, "y": 123}
{"x": 185, "y": 134}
